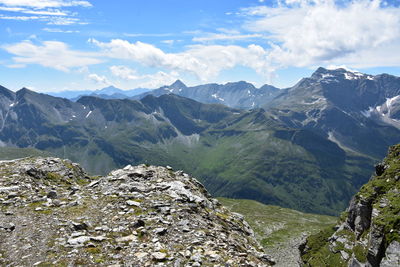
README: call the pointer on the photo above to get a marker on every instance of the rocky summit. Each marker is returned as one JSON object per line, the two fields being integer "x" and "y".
{"x": 53, "y": 213}
{"x": 368, "y": 233}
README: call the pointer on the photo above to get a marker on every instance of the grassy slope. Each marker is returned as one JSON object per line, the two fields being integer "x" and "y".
{"x": 279, "y": 230}
{"x": 8, "y": 153}
{"x": 274, "y": 225}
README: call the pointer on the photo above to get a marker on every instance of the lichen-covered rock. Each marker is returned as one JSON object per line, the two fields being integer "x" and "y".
{"x": 368, "y": 233}
{"x": 53, "y": 213}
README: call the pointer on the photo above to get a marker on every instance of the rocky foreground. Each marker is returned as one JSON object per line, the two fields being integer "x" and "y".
{"x": 53, "y": 213}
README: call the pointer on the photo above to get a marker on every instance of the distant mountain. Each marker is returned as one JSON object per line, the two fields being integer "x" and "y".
{"x": 305, "y": 150}
{"x": 237, "y": 95}
{"x": 110, "y": 92}
{"x": 237, "y": 153}
{"x": 357, "y": 111}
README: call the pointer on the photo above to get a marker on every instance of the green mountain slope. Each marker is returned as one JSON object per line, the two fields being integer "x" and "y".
{"x": 264, "y": 155}
{"x": 279, "y": 230}
{"x": 368, "y": 233}
{"x": 9, "y": 153}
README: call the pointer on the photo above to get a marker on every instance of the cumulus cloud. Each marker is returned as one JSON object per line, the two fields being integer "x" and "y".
{"x": 98, "y": 79}
{"x": 158, "y": 79}
{"x": 205, "y": 62}
{"x": 153, "y": 80}
{"x": 309, "y": 32}
{"x": 124, "y": 72}
{"x": 52, "y": 54}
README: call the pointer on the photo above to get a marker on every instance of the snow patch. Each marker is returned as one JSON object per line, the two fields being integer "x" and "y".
{"x": 347, "y": 76}
{"x": 90, "y": 112}
{"x": 367, "y": 113}
{"x": 217, "y": 97}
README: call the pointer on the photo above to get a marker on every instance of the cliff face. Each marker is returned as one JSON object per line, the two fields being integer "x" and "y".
{"x": 368, "y": 233}
{"x": 52, "y": 212}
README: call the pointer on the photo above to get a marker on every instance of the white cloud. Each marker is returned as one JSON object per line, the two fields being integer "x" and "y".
{"x": 225, "y": 37}
{"x": 98, "y": 79}
{"x": 57, "y": 30}
{"x": 168, "y": 42}
{"x": 318, "y": 32}
{"x": 158, "y": 79}
{"x": 154, "y": 80}
{"x": 52, "y": 54}
{"x": 40, "y": 4}
{"x": 43, "y": 10}
{"x": 206, "y": 62}
{"x": 51, "y": 12}
{"x": 124, "y": 72}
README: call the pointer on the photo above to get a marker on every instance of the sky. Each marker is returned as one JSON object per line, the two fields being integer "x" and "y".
{"x": 57, "y": 45}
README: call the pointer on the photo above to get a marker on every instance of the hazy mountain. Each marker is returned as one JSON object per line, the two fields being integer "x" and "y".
{"x": 110, "y": 92}
{"x": 237, "y": 94}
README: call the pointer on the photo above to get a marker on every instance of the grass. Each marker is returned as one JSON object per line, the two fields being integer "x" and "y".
{"x": 274, "y": 225}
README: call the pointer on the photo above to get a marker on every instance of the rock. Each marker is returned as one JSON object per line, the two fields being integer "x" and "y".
{"x": 136, "y": 216}
{"x": 78, "y": 240}
{"x": 392, "y": 255}
{"x": 160, "y": 231}
{"x": 133, "y": 203}
{"x": 52, "y": 195}
{"x": 8, "y": 226}
{"x": 128, "y": 238}
{"x": 139, "y": 223}
{"x": 159, "y": 256}
{"x": 79, "y": 226}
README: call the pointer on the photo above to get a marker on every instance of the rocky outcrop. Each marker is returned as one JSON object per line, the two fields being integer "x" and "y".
{"x": 53, "y": 213}
{"x": 368, "y": 233}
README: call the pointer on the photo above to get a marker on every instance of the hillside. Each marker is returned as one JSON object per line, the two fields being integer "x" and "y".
{"x": 53, "y": 213}
{"x": 279, "y": 230}
{"x": 368, "y": 233}
{"x": 310, "y": 156}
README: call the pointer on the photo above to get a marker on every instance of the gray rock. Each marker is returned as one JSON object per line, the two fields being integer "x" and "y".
{"x": 392, "y": 255}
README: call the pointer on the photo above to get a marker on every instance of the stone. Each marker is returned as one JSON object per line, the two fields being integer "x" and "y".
{"x": 52, "y": 195}
{"x": 79, "y": 226}
{"x": 159, "y": 256}
{"x": 128, "y": 238}
{"x": 78, "y": 240}
{"x": 392, "y": 255}
{"x": 160, "y": 231}
{"x": 133, "y": 203}
{"x": 139, "y": 223}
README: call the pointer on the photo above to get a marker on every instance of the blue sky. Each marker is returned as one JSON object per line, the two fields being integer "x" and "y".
{"x": 55, "y": 45}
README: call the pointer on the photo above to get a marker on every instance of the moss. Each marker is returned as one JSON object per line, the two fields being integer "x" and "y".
{"x": 53, "y": 176}
{"x": 360, "y": 252}
{"x": 93, "y": 250}
{"x": 318, "y": 253}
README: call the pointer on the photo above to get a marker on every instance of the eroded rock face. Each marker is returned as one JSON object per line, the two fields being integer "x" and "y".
{"x": 368, "y": 234}
{"x": 52, "y": 212}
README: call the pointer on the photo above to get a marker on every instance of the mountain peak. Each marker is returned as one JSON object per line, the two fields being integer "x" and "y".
{"x": 178, "y": 84}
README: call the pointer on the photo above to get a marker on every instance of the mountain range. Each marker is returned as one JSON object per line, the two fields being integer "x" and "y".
{"x": 109, "y": 92}
{"x": 310, "y": 147}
